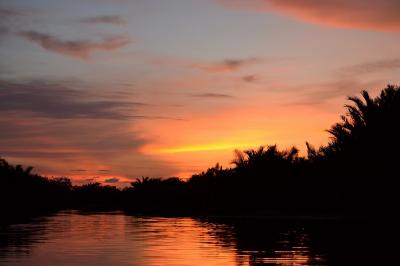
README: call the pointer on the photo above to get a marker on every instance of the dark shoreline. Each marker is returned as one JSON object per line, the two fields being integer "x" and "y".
{"x": 355, "y": 174}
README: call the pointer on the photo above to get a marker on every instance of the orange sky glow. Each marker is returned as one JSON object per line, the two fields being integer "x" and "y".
{"x": 119, "y": 90}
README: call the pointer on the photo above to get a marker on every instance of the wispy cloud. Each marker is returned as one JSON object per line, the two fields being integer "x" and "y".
{"x": 104, "y": 171}
{"x": 156, "y": 117}
{"x": 320, "y": 93}
{"x": 379, "y": 15}
{"x": 348, "y": 80}
{"x": 72, "y": 139}
{"x": 212, "y": 95}
{"x": 225, "y": 65}
{"x": 55, "y": 147}
{"x": 11, "y": 12}
{"x": 112, "y": 180}
{"x": 249, "y": 78}
{"x": 44, "y": 99}
{"x": 371, "y": 67}
{"x": 58, "y": 128}
{"x": 10, "y": 18}
{"x": 117, "y": 20}
{"x": 79, "y": 48}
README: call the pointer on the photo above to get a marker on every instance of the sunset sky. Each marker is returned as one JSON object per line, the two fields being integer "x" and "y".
{"x": 112, "y": 90}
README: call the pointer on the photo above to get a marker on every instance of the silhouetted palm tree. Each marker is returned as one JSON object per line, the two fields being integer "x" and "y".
{"x": 355, "y": 172}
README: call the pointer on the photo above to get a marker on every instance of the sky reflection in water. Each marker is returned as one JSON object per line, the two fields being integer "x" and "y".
{"x": 71, "y": 238}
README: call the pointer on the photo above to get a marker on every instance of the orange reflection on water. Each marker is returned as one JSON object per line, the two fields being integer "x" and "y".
{"x": 71, "y": 238}
{"x": 182, "y": 241}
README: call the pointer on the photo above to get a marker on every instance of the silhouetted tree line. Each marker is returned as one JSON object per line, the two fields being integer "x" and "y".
{"x": 355, "y": 173}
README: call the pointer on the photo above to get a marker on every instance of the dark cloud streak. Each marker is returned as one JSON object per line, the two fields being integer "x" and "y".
{"x": 117, "y": 20}
{"x": 315, "y": 94}
{"x": 249, "y": 78}
{"x": 78, "y": 48}
{"x": 212, "y": 95}
{"x": 43, "y": 99}
{"x": 10, "y": 12}
{"x": 112, "y": 180}
{"x": 371, "y": 67}
{"x": 229, "y": 65}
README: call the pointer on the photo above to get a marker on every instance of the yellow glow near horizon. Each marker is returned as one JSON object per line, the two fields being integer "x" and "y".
{"x": 206, "y": 147}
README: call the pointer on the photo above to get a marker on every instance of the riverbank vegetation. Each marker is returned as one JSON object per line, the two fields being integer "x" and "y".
{"x": 354, "y": 174}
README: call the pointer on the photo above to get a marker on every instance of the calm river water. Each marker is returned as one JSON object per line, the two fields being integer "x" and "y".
{"x": 73, "y": 238}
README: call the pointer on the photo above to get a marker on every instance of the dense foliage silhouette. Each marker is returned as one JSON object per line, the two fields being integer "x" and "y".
{"x": 354, "y": 174}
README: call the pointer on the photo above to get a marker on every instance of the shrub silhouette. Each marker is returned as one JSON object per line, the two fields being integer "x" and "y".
{"x": 355, "y": 173}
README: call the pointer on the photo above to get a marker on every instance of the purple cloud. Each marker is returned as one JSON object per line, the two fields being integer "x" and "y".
{"x": 79, "y": 48}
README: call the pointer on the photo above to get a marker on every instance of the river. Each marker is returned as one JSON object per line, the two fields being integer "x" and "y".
{"x": 75, "y": 238}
